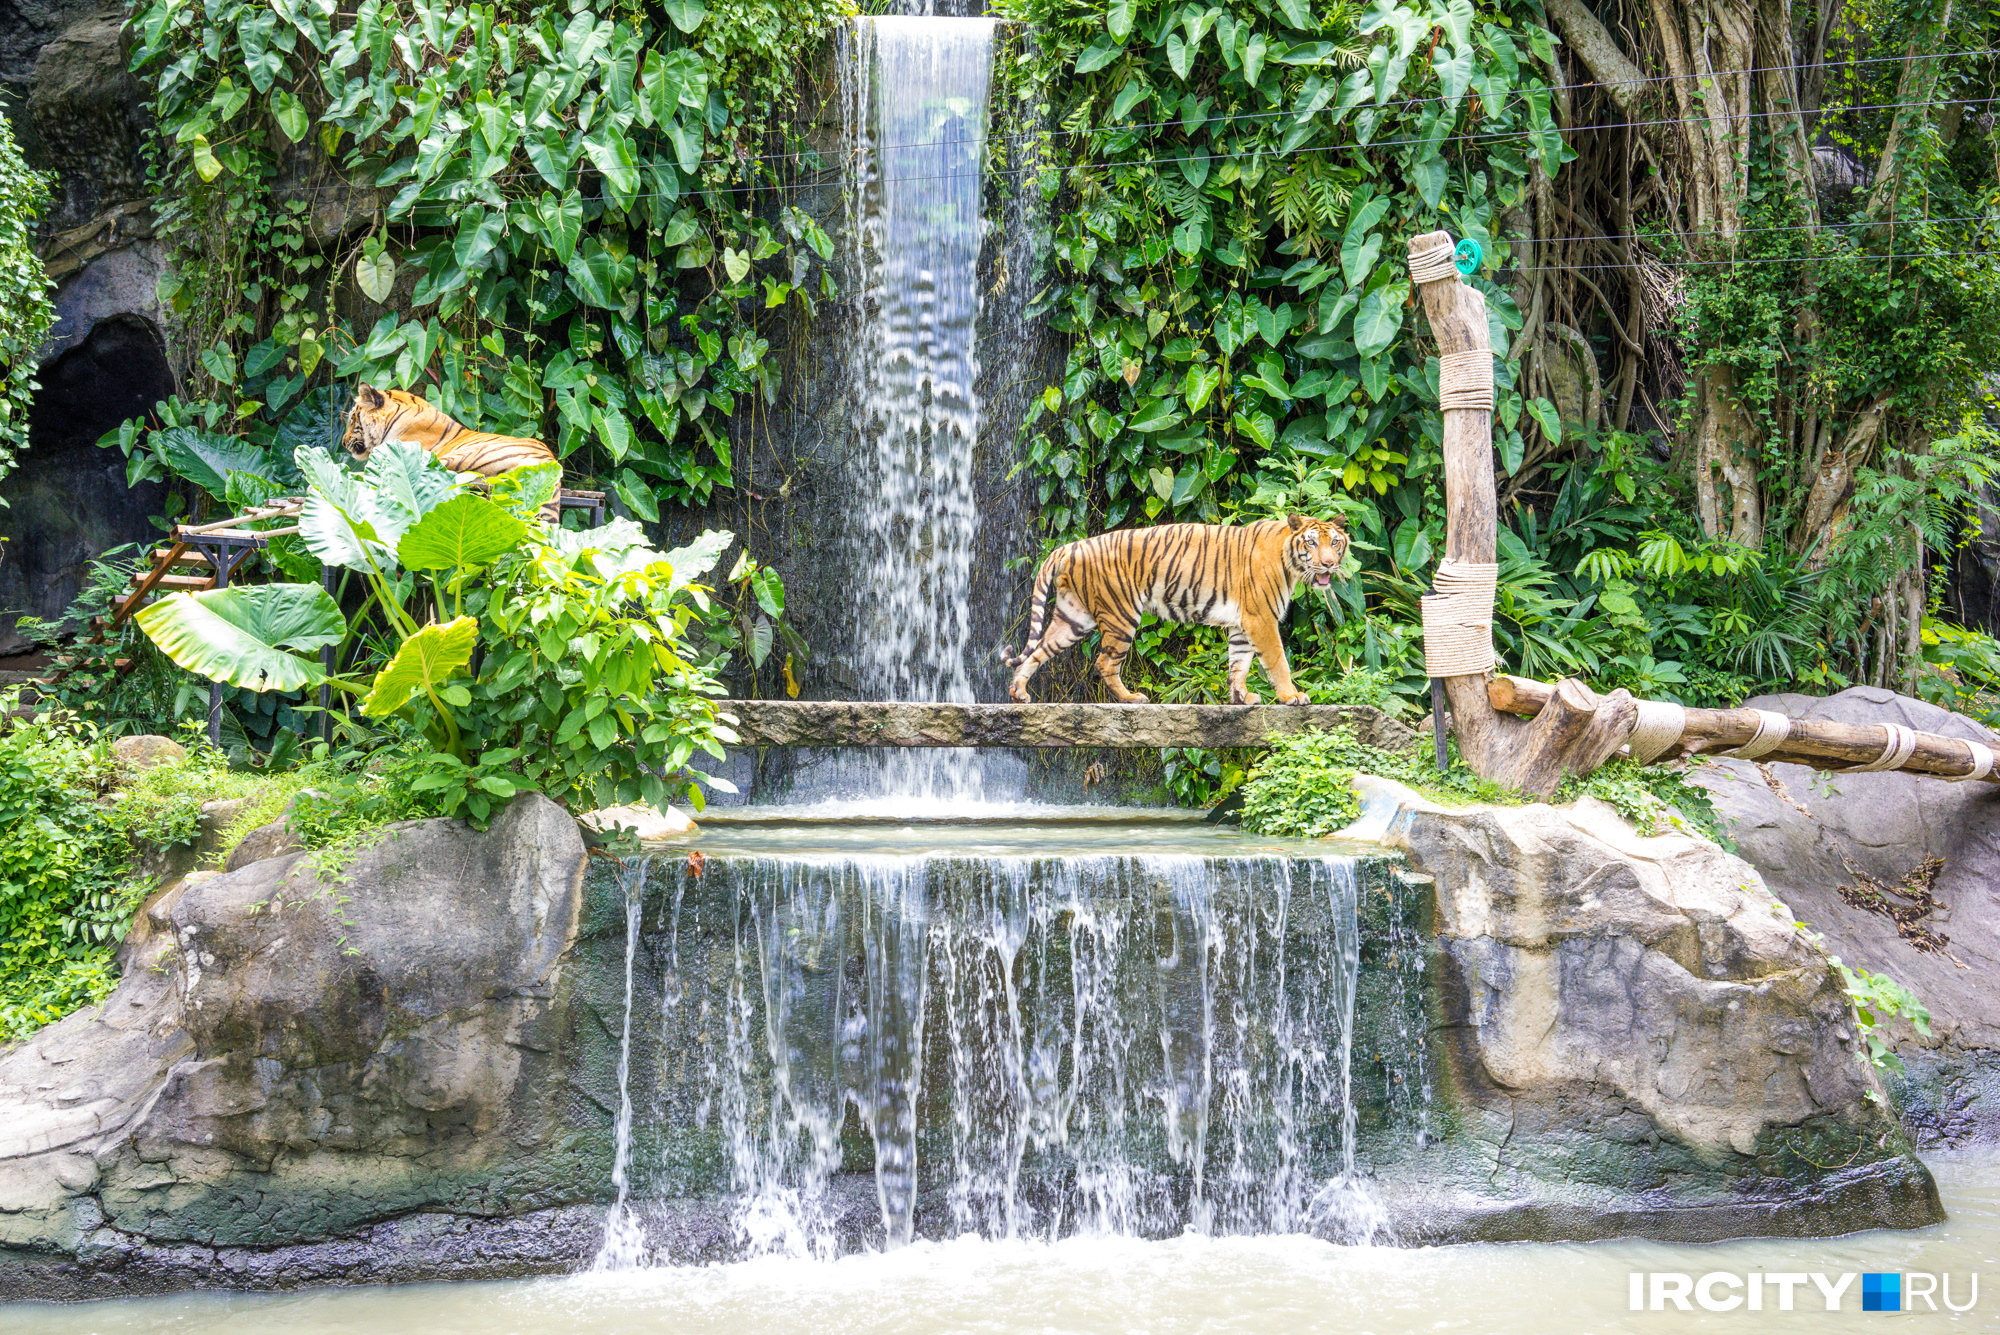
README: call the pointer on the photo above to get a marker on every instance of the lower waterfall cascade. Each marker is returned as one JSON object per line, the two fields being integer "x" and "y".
{"x": 1009, "y": 1044}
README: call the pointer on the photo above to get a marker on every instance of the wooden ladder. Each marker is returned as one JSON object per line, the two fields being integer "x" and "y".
{"x": 176, "y": 568}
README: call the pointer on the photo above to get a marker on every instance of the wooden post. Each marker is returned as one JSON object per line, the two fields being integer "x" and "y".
{"x": 1577, "y": 729}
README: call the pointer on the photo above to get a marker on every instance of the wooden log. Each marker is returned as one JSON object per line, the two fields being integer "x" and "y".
{"x": 1818, "y": 743}
{"x": 892, "y": 723}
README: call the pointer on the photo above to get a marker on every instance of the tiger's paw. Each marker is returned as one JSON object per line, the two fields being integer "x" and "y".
{"x": 1298, "y": 698}
{"x": 1018, "y": 692}
{"x": 1245, "y": 697}
{"x": 1135, "y": 698}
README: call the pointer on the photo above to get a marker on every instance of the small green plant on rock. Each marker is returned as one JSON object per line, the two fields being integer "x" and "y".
{"x": 1880, "y": 1000}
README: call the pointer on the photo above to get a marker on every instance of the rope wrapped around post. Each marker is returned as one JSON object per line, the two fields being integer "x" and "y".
{"x": 1458, "y": 619}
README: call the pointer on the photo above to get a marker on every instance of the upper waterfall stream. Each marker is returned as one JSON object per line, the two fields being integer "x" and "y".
{"x": 914, "y": 99}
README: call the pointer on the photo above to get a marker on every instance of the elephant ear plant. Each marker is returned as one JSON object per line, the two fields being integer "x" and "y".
{"x": 521, "y": 659}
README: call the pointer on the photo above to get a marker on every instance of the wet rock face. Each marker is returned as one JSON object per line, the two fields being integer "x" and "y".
{"x": 292, "y": 1060}
{"x": 1640, "y": 1041}
{"x": 1809, "y": 834}
{"x": 86, "y": 115}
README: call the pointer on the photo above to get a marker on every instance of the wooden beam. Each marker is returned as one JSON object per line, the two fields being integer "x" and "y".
{"x": 892, "y": 723}
{"x": 1818, "y": 743}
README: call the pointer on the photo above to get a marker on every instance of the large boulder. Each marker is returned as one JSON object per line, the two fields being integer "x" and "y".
{"x": 1637, "y": 1039}
{"x": 308, "y": 1074}
{"x": 1810, "y": 833}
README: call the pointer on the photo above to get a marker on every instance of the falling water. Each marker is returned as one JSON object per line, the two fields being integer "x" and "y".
{"x": 1015, "y": 1046}
{"x": 915, "y": 95}
{"x": 624, "y": 1245}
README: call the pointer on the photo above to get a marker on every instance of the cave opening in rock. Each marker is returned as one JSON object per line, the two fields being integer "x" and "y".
{"x": 67, "y": 500}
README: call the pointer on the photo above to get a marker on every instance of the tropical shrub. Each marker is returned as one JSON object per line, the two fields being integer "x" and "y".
{"x": 522, "y": 658}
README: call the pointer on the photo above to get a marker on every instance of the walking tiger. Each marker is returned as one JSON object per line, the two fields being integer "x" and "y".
{"x": 1241, "y": 578}
{"x": 380, "y": 415}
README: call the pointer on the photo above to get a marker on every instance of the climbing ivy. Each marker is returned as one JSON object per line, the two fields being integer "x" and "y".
{"x": 553, "y": 220}
{"x": 25, "y": 312}
{"x": 1235, "y": 188}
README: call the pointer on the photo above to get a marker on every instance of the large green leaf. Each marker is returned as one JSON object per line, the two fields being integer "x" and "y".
{"x": 425, "y": 661}
{"x": 1379, "y": 319}
{"x": 338, "y": 521}
{"x": 523, "y": 491}
{"x": 699, "y": 557}
{"x": 611, "y": 153}
{"x": 1359, "y": 249}
{"x": 207, "y": 459}
{"x": 686, "y": 14}
{"x": 561, "y": 221}
{"x": 600, "y": 277}
{"x": 240, "y": 636}
{"x": 465, "y": 532}
{"x": 406, "y": 478}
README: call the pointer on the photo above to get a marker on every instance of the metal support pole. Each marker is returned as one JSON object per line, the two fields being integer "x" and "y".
{"x": 218, "y": 557}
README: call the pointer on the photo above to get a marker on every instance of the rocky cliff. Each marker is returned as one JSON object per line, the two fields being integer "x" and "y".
{"x": 1830, "y": 845}
{"x": 409, "y": 1068}
{"x": 1636, "y": 1039}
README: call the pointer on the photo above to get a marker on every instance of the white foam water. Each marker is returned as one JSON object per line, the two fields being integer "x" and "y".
{"x": 1125, "y": 1044}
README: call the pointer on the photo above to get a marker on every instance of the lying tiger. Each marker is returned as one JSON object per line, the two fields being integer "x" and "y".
{"x": 1239, "y": 578}
{"x": 380, "y": 415}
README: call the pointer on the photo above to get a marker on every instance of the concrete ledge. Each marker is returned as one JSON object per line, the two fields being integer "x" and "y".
{"x": 872, "y": 723}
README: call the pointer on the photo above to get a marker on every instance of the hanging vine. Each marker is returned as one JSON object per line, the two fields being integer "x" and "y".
{"x": 550, "y": 220}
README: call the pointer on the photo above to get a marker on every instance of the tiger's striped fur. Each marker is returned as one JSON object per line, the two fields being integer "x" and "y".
{"x": 1239, "y": 578}
{"x": 380, "y": 415}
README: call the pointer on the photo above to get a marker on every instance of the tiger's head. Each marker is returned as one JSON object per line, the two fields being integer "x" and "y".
{"x": 1314, "y": 548}
{"x": 368, "y": 420}
{"x": 379, "y": 414}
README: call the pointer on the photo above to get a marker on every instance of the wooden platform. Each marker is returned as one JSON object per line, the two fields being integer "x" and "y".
{"x": 869, "y": 723}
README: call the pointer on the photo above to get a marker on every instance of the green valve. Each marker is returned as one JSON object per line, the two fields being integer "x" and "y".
{"x": 1467, "y": 257}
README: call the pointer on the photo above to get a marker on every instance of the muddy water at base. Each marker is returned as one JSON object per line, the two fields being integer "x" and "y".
{"x": 1121, "y": 1286}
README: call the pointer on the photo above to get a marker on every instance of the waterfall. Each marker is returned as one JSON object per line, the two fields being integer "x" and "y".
{"x": 914, "y": 91}
{"x": 624, "y": 1242}
{"x": 1013, "y": 1045}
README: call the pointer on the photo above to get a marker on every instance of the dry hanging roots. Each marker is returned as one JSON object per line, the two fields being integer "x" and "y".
{"x": 1906, "y": 904}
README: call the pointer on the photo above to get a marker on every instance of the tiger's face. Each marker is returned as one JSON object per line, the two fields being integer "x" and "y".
{"x": 367, "y": 420}
{"x": 1316, "y": 548}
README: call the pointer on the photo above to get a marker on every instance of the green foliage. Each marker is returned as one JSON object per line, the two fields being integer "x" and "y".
{"x": 71, "y": 826}
{"x": 1655, "y": 798}
{"x": 564, "y": 665}
{"x": 580, "y": 229}
{"x": 25, "y": 312}
{"x": 1304, "y": 787}
{"x": 61, "y": 852}
{"x": 1231, "y": 188}
{"x": 1878, "y": 1001}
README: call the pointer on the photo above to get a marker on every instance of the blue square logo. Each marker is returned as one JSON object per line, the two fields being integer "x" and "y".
{"x": 1881, "y": 1293}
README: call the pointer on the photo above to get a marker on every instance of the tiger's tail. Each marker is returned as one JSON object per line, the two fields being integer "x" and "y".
{"x": 1038, "y": 615}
